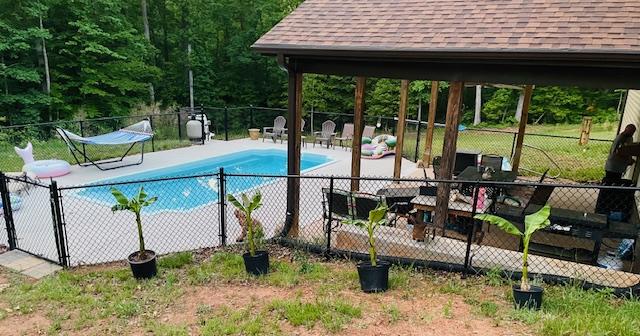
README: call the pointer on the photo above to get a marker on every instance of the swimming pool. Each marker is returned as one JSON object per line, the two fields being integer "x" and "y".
{"x": 189, "y": 193}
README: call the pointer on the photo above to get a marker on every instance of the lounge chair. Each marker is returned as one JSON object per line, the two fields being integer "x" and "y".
{"x": 138, "y": 133}
{"x": 369, "y": 132}
{"x": 276, "y": 131}
{"x": 302, "y": 137}
{"x": 346, "y": 135}
{"x": 326, "y": 135}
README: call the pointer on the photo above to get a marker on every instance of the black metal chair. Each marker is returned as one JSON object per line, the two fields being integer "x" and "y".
{"x": 492, "y": 161}
{"x": 363, "y": 203}
{"x": 340, "y": 206}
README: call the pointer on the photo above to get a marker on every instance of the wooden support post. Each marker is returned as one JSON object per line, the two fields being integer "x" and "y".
{"x": 431, "y": 120}
{"x": 517, "y": 153}
{"x": 358, "y": 127}
{"x": 448, "y": 152}
{"x": 402, "y": 119}
{"x": 293, "y": 151}
{"x": 585, "y": 130}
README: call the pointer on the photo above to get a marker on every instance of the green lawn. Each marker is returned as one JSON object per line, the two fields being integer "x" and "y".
{"x": 212, "y": 295}
{"x": 578, "y": 163}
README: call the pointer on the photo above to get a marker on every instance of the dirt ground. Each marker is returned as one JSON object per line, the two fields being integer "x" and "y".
{"x": 420, "y": 308}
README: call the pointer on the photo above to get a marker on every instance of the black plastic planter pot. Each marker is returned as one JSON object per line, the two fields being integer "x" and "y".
{"x": 531, "y": 299}
{"x": 143, "y": 269}
{"x": 258, "y": 264}
{"x": 374, "y": 279}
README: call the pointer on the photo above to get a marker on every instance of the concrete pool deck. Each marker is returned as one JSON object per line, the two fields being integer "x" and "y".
{"x": 95, "y": 234}
{"x": 156, "y": 160}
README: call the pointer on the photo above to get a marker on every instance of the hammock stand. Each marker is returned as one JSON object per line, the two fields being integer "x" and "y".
{"x": 138, "y": 133}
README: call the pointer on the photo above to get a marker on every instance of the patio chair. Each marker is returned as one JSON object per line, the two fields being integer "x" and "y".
{"x": 326, "y": 135}
{"x": 346, "y": 135}
{"x": 363, "y": 203}
{"x": 492, "y": 161}
{"x": 340, "y": 206}
{"x": 302, "y": 137}
{"x": 276, "y": 131}
{"x": 369, "y": 132}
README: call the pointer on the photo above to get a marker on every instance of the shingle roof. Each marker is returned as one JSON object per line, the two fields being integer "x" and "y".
{"x": 414, "y": 27}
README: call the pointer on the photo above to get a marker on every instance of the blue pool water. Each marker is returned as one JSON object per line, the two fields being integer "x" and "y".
{"x": 189, "y": 193}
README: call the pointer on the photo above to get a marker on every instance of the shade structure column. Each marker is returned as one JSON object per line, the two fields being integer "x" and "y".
{"x": 402, "y": 118}
{"x": 431, "y": 120}
{"x": 448, "y": 152}
{"x": 526, "y": 102}
{"x": 358, "y": 127}
{"x": 293, "y": 152}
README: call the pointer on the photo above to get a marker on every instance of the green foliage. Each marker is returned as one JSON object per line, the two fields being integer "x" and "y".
{"x": 532, "y": 223}
{"x": 177, "y": 260}
{"x": 135, "y": 205}
{"x": 333, "y": 314}
{"x": 377, "y": 217}
{"x": 247, "y": 207}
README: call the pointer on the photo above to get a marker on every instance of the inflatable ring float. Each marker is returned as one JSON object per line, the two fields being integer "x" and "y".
{"x": 48, "y": 168}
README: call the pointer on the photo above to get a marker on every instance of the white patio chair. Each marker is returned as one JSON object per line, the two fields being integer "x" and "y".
{"x": 346, "y": 135}
{"x": 369, "y": 132}
{"x": 302, "y": 137}
{"x": 276, "y": 131}
{"x": 326, "y": 135}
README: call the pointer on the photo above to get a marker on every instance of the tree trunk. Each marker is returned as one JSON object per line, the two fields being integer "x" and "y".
{"x": 191, "y": 103}
{"x": 477, "y": 119}
{"x": 147, "y": 35}
{"x": 47, "y": 75}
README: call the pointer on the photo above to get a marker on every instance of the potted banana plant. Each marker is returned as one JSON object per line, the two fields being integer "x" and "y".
{"x": 255, "y": 262}
{"x": 525, "y": 295}
{"x": 373, "y": 274}
{"x": 143, "y": 262}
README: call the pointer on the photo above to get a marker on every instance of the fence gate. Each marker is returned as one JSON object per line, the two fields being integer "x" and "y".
{"x": 32, "y": 218}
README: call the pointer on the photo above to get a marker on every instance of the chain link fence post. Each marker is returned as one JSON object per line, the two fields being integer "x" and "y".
{"x": 8, "y": 212}
{"x": 153, "y": 144}
{"x": 222, "y": 193}
{"x": 58, "y": 224}
{"x": 329, "y": 216}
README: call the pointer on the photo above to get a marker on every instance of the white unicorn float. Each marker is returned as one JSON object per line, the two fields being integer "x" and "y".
{"x": 41, "y": 168}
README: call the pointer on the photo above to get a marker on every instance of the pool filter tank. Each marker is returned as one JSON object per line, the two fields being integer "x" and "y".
{"x": 195, "y": 128}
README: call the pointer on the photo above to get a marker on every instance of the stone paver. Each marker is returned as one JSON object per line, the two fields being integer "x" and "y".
{"x": 27, "y": 264}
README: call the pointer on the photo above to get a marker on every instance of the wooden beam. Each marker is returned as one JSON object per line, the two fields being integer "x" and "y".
{"x": 293, "y": 152}
{"x": 402, "y": 118}
{"x": 358, "y": 127}
{"x": 528, "y": 92}
{"x": 454, "y": 105}
{"x": 431, "y": 121}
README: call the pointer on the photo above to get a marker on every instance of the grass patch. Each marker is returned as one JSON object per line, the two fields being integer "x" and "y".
{"x": 393, "y": 312}
{"x": 177, "y": 260}
{"x": 161, "y": 329}
{"x": 332, "y": 314}
{"x": 247, "y": 321}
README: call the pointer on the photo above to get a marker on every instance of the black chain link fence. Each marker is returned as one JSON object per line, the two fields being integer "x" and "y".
{"x": 592, "y": 237}
{"x": 561, "y": 155}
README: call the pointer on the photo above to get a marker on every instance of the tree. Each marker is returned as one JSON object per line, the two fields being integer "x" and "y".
{"x": 22, "y": 99}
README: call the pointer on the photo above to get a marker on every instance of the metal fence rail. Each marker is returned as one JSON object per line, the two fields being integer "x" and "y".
{"x": 592, "y": 238}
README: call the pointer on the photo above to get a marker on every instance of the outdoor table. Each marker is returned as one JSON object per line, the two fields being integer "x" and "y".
{"x": 424, "y": 203}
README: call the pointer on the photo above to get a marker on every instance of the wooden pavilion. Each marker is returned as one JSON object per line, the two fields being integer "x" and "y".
{"x": 587, "y": 43}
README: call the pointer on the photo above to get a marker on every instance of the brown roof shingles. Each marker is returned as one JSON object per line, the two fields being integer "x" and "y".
{"x": 474, "y": 25}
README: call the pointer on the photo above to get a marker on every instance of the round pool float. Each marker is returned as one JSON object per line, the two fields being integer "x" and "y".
{"x": 47, "y": 168}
